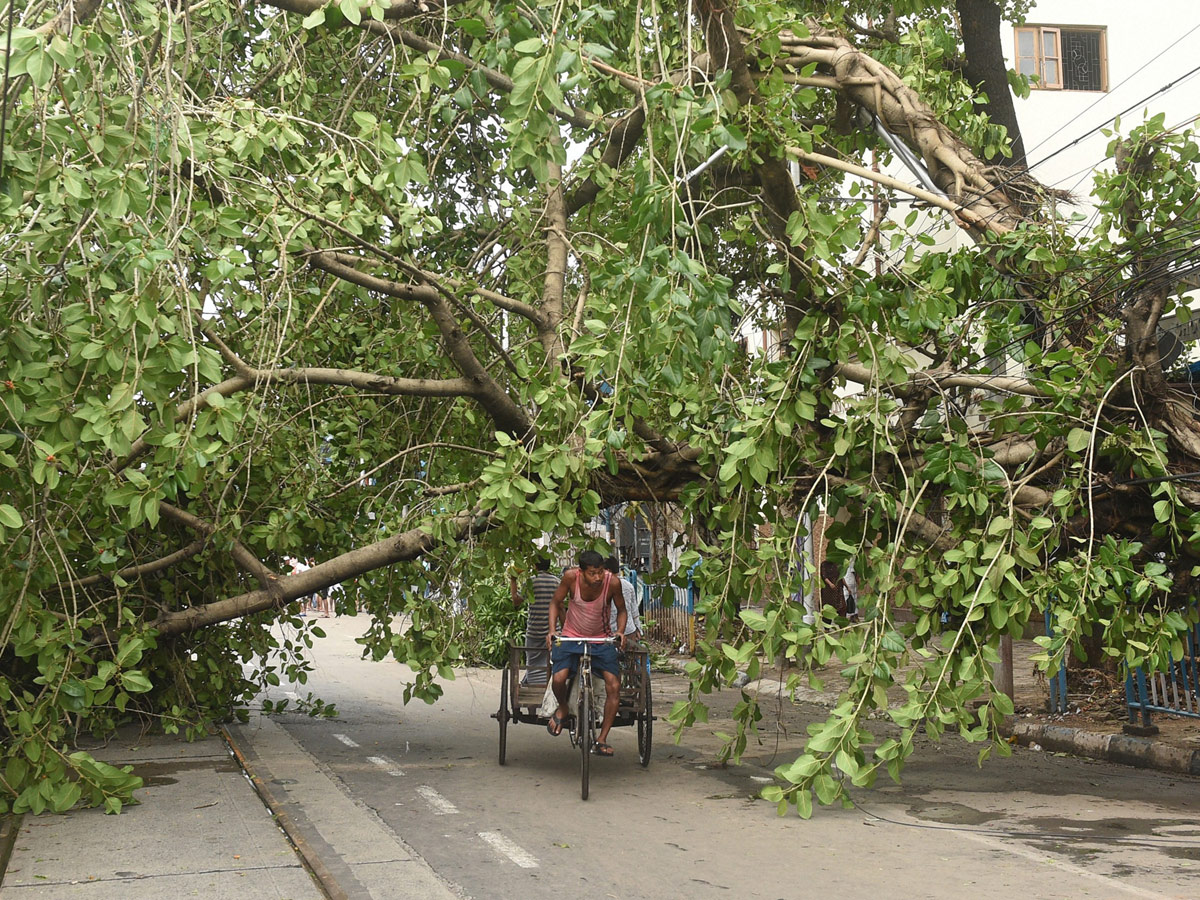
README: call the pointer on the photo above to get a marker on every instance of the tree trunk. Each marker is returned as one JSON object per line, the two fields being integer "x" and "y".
{"x": 986, "y": 67}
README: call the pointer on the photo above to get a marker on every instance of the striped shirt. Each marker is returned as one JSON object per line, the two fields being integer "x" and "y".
{"x": 537, "y": 626}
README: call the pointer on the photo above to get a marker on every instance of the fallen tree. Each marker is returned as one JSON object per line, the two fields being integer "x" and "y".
{"x": 404, "y": 286}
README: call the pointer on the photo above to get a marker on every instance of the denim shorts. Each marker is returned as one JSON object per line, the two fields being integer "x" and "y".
{"x": 565, "y": 655}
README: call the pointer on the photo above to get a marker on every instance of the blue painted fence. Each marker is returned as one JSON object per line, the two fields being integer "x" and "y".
{"x": 1058, "y": 681}
{"x": 1175, "y": 691}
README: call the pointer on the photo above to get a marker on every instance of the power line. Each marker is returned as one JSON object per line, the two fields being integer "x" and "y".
{"x": 1120, "y": 85}
{"x": 1162, "y": 90}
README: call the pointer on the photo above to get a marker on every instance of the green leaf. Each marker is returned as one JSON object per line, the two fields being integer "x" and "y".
{"x": 804, "y": 804}
{"x": 9, "y": 517}
{"x": 39, "y": 65}
{"x": 529, "y": 45}
{"x": 135, "y": 682}
{"x": 1078, "y": 439}
{"x": 754, "y": 620}
{"x": 349, "y": 9}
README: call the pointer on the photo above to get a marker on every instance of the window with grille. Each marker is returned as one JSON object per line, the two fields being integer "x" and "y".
{"x": 1063, "y": 57}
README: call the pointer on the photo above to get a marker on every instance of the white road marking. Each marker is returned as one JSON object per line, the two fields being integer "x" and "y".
{"x": 386, "y": 764}
{"x": 440, "y": 804}
{"x": 345, "y": 740}
{"x": 508, "y": 848}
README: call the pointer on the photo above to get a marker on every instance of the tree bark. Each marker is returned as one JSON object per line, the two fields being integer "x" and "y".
{"x": 987, "y": 69}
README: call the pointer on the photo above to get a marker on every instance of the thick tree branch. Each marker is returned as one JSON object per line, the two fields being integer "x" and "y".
{"x": 241, "y": 555}
{"x": 249, "y": 378}
{"x": 778, "y": 194}
{"x": 72, "y": 14}
{"x": 400, "y": 548}
{"x": 878, "y": 89}
{"x": 554, "y": 279}
{"x": 507, "y": 415}
{"x": 623, "y": 138}
{"x": 980, "y": 22}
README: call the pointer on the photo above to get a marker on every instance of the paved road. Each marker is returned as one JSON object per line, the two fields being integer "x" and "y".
{"x": 1034, "y": 825}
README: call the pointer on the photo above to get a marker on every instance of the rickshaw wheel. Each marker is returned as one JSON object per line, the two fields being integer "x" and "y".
{"x": 502, "y": 716}
{"x": 645, "y": 723}
{"x": 586, "y": 728}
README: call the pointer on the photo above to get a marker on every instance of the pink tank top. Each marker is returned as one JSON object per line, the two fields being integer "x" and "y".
{"x": 588, "y": 618}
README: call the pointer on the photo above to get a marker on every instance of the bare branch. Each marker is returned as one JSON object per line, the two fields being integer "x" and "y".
{"x": 865, "y": 375}
{"x": 971, "y": 221}
{"x": 131, "y": 572}
{"x": 407, "y": 450}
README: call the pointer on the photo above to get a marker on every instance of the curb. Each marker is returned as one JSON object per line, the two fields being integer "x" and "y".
{"x": 312, "y": 862}
{"x": 10, "y": 827}
{"x": 1125, "y": 749}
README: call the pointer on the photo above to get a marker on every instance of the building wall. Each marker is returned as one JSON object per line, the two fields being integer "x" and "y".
{"x": 1150, "y": 44}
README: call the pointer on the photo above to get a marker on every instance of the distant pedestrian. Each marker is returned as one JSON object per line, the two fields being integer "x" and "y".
{"x": 299, "y": 568}
{"x": 320, "y": 602}
{"x": 537, "y": 623}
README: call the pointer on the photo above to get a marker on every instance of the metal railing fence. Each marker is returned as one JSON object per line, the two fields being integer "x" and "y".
{"x": 671, "y": 609}
{"x": 1175, "y": 691}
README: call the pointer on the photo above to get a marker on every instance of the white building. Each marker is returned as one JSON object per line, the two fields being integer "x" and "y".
{"x": 1096, "y": 60}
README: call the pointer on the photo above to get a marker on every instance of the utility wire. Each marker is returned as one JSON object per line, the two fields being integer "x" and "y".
{"x": 1104, "y": 96}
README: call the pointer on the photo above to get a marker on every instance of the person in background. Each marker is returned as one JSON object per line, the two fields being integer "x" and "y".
{"x": 537, "y": 624}
{"x": 633, "y": 622}
{"x": 298, "y": 567}
{"x": 320, "y": 602}
{"x": 835, "y": 593}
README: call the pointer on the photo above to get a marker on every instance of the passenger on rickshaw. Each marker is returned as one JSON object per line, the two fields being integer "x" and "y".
{"x": 591, "y": 588}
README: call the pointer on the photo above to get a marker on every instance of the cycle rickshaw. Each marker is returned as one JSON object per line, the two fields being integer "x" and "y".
{"x": 520, "y": 702}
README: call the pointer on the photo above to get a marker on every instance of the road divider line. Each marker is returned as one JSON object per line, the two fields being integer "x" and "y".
{"x": 345, "y": 740}
{"x": 386, "y": 764}
{"x": 502, "y": 844}
{"x": 441, "y": 806}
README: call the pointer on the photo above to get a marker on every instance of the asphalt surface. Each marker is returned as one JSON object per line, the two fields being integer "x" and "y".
{"x": 398, "y": 801}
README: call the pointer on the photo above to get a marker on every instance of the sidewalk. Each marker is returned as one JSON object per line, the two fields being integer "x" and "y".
{"x": 200, "y": 830}
{"x": 1091, "y": 729}
{"x": 225, "y": 816}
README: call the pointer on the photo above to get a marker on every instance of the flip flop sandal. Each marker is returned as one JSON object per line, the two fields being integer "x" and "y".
{"x": 601, "y": 749}
{"x": 556, "y": 720}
